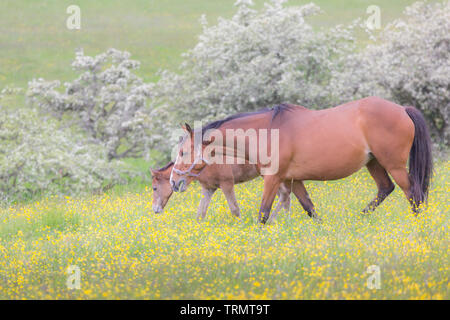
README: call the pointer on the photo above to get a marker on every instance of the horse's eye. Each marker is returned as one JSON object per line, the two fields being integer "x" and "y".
{"x": 181, "y": 153}
{"x": 154, "y": 188}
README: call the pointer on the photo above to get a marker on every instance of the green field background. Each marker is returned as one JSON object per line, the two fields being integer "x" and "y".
{"x": 35, "y": 42}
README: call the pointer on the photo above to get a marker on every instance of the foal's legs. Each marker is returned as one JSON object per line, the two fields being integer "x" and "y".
{"x": 284, "y": 201}
{"x": 298, "y": 188}
{"x": 204, "y": 202}
{"x": 271, "y": 185}
{"x": 228, "y": 190}
{"x": 384, "y": 184}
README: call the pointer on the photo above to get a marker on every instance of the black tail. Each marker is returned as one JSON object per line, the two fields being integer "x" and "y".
{"x": 420, "y": 158}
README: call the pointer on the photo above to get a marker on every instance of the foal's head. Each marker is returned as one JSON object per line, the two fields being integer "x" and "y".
{"x": 189, "y": 162}
{"x": 161, "y": 187}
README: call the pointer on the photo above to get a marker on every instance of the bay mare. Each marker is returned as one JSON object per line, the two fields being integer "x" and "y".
{"x": 211, "y": 178}
{"x": 332, "y": 144}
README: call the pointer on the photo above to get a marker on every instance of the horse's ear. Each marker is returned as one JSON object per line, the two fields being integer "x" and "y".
{"x": 154, "y": 173}
{"x": 186, "y": 127}
{"x": 206, "y": 143}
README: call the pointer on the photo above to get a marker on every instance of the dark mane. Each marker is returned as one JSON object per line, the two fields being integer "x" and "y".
{"x": 277, "y": 111}
{"x": 167, "y": 166}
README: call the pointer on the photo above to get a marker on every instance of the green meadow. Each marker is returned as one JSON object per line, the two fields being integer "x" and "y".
{"x": 35, "y": 42}
{"x": 125, "y": 251}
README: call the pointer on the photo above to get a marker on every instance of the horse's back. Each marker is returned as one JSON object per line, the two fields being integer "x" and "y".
{"x": 324, "y": 144}
{"x": 244, "y": 172}
{"x": 216, "y": 174}
{"x": 336, "y": 142}
{"x": 374, "y": 120}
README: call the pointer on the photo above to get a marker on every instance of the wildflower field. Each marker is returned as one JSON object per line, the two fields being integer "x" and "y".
{"x": 124, "y": 250}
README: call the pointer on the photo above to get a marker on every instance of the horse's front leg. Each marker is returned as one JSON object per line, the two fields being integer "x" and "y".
{"x": 228, "y": 190}
{"x": 271, "y": 185}
{"x": 204, "y": 202}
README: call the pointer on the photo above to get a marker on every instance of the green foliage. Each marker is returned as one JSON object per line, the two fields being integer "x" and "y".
{"x": 256, "y": 59}
{"x": 38, "y": 156}
{"x": 408, "y": 63}
{"x": 108, "y": 101}
{"x": 261, "y": 57}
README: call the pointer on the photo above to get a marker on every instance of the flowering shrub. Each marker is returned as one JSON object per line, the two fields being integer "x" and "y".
{"x": 262, "y": 57}
{"x": 409, "y": 63}
{"x": 107, "y": 100}
{"x": 37, "y": 156}
{"x": 256, "y": 59}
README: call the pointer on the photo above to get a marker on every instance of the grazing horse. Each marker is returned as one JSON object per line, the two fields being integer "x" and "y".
{"x": 332, "y": 144}
{"x": 211, "y": 178}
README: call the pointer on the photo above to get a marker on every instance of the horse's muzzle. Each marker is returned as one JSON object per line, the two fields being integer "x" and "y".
{"x": 157, "y": 209}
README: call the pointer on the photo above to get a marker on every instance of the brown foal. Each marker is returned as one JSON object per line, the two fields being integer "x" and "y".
{"x": 332, "y": 144}
{"x": 211, "y": 178}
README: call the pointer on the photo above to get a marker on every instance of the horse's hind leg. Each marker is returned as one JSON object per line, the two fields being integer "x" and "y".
{"x": 397, "y": 169}
{"x": 384, "y": 184}
{"x": 394, "y": 159}
{"x": 298, "y": 188}
{"x": 401, "y": 177}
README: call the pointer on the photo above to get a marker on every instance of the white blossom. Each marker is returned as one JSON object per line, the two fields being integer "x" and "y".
{"x": 409, "y": 63}
{"x": 256, "y": 59}
{"x": 107, "y": 100}
{"x": 38, "y": 157}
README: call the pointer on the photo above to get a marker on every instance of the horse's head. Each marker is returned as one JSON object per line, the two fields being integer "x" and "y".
{"x": 189, "y": 162}
{"x": 161, "y": 187}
